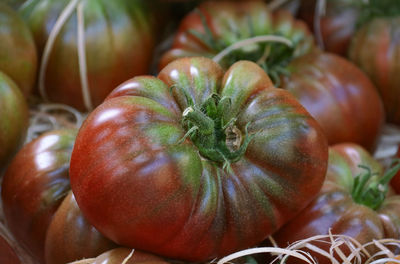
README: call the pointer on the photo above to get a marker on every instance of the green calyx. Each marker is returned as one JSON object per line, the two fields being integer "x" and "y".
{"x": 215, "y": 139}
{"x": 273, "y": 53}
{"x": 371, "y": 9}
{"x": 372, "y": 192}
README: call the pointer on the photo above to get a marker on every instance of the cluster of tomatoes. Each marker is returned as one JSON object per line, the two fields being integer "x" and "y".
{"x": 211, "y": 126}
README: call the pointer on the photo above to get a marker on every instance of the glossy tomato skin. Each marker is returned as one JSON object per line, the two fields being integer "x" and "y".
{"x": 143, "y": 189}
{"x": 118, "y": 43}
{"x": 336, "y": 25}
{"x": 13, "y": 119}
{"x": 339, "y": 96}
{"x": 230, "y": 22}
{"x": 335, "y": 209}
{"x": 375, "y": 49}
{"x": 70, "y": 237}
{"x": 7, "y": 253}
{"x": 33, "y": 187}
{"x": 18, "y": 56}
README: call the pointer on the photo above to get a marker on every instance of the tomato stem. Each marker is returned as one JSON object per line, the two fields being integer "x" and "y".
{"x": 208, "y": 130}
{"x": 372, "y": 192}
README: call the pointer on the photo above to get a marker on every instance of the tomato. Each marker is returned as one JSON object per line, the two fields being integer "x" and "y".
{"x": 334, "y": 26}
{"x": 375, "y": 48}
{"x": 119, "y": 255}
{"x": 98, "y": 45}
{"x": 346, "y": 206}
{"x": 7, "y": 253}
{"x": 339, "y": 96}
{"x": 70, "y": 237}
{"x": 196, "y": 163}
{"x": 33, "y": 187}
{"x": 311, "y": 76}
{"x": 13, "y": 119}
{"x": 18, "y": 58}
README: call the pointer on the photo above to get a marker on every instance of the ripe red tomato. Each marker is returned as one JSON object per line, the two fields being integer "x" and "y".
{"x": 13, "y": 119}
{"x": 347, "y": 206}
{"x": 99, "y": 44}
{"x": 18, "y": 58}
{"x": 335, "y": 24}
{"x": 33, "y": 187}
{"x": 70, "y": 237}
{"x": 375, "y": 48}
{"x": 337, "y": 94}
{"x": 251, "y": 159}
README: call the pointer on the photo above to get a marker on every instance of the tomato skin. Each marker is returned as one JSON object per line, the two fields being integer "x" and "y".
{"x": 18, "y": 56}
{"x": 33, "y": 187}
{"x": 339, "y": 96}
{"x": 337, "y": 25}
{"x": 7, "y": 253}
{"x": 143, "y": 190}
{"x": 118, "y": 39}
{"x": 335, "y": 208}
{"x": 375, "y": 49}
{"x": 70, "y": 237}
{"x": 13, "y": 119}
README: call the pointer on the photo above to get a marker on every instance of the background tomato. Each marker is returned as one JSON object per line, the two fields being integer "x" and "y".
{"x": 337, "y": 94}
{"x": 141, "y": 188}
{"x": 334, "y": 25}
{"x": 33, "y": 187}
{"x": 90, "y": 49}
{"x": 375, "y": 48}
{"x": 344, "y": 209}
{"x": 70, "y": 237}
{"x": 13, "y": 119}
{"x": 18, "y": 58}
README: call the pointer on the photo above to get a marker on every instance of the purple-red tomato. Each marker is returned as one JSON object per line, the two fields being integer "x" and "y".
{"x": 197, "y": 163}
{"x": 354, "y": 201}
{"x": 13, "y": 119}
{"x": 33, "y": 187}
{"x": 87, "y": 48}
{"x": 336, "y": 93}
{"x": 70, "y": 237}
{"x": 18, "y": 58}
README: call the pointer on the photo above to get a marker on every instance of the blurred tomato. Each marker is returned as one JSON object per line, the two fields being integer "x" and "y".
{"x": 18, "y": 58}
{"x": 89, "y": 47}
{"x": 13, "y": 119}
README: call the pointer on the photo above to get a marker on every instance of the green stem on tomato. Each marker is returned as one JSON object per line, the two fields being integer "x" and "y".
{"x": 369, "y": 192}
{"x": 207, "y": 129}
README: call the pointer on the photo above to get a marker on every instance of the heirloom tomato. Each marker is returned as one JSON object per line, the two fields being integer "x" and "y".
{"x": 375, "y": 48}
{"x": 196, "y": 163}
{"x": 333, "y": 24}
{"x": 18, "y": 58}
{"x": 353, "y": 201}
{"x": 89, "y": 47}
{"x": 70, "y": 237}
{"x": 7, "y": 253}
{"x": 33, "y": 187}
{"x": 13, "y": 119}
{"x": 336, "y": 93}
